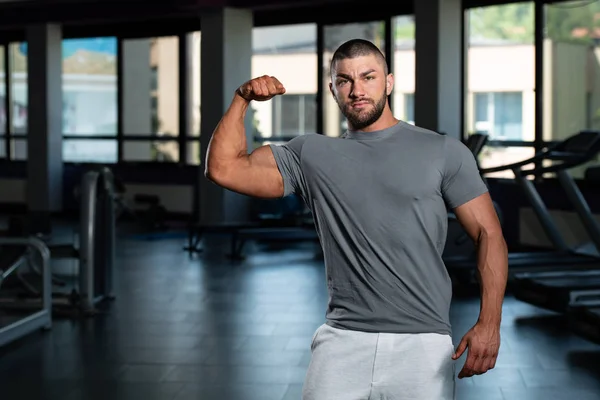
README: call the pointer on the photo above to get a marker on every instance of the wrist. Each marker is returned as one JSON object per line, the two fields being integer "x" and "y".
{"x": 239, "y": 97}
{"x": 489, "y": 321}
{"x": 239, "y": 103}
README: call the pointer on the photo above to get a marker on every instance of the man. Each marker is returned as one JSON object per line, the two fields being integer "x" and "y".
{"x": 378, "y": 196}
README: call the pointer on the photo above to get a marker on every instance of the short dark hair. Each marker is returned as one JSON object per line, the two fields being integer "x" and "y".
{"x": 357, "y": 48}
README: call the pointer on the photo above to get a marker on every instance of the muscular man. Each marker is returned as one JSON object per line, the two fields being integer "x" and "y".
{"x": 379, "y": 197}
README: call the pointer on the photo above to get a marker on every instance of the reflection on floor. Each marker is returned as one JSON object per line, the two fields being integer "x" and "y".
{"x": 207, "y": 329}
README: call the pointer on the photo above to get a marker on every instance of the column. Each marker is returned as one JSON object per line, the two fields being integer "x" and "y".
{"x": 137, "y": 86}
{"x": 226, "y": 54}
{"x": 438, "y": 64}
{"x": 44, "y": 121}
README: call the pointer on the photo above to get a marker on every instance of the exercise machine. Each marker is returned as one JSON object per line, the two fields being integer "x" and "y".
{"x": 96, "y": 253}
{"x": 94, "y": 256}
{"x": 570, "y": 153}
{"x": 241, "y": 233}
{"x": 585, "y": 321}
{"x": 476, "y": 142}
{"x": 277, "y": 221}
{"x": 568, "y": 288}
{"x": 14, "y": 254}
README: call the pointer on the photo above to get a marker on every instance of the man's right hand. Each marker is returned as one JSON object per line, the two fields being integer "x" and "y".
{"x": 262, "y": 88}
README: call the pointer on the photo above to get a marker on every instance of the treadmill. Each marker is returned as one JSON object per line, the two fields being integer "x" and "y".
{"x": 571, "y": 290}
{"x": 558, "y": 159}
{"x": 585, "y": 321}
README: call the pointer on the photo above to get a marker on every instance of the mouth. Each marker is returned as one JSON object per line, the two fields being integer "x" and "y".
{"x": 359, "y": 104}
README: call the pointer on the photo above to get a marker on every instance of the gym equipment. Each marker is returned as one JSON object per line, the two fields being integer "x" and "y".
{"x": 154, "y": 216}
{"x": 95, "y": 254}
{"x": 585, "y": 321}
{"x": 240, "y": 233}
{"x": 572, "y": 152}
{"x": 476, "y": 142}
{"x": 569, "y": 288}
{"x": 42, "y": 317}
{"x": 558, "y": 290}
{"x": 97, "y": 250}
{"x": 282, "y": 220}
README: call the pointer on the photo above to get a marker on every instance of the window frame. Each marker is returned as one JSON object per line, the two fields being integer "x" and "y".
{"x": 183, "y": 25}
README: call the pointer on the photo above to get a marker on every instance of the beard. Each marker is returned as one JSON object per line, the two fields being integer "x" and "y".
{"x": 360, "y": 119}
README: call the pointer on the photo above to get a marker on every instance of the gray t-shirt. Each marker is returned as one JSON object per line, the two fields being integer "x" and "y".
{"x": 379, "y": 205}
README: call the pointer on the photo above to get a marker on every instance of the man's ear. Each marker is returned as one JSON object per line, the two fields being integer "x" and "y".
{"x": 331, "y": 89}
{"x": 389, "y": 84}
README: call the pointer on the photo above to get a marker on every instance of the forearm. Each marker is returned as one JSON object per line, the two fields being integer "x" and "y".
{"x": 492, "y": 269}
{"x": 228, "y": 142}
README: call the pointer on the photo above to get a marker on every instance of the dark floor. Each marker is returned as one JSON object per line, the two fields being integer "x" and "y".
{"x": 190, "y": 329}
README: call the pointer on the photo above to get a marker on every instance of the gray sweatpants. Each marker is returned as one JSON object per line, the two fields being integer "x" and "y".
{"x": 352, "y": 365}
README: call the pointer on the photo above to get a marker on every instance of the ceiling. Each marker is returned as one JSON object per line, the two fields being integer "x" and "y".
{"x": 77, "y": 16}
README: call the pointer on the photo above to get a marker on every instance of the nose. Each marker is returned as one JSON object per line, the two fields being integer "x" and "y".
{"x": 357, "y": 90}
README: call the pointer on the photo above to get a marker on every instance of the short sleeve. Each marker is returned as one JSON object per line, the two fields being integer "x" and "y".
{"x": 461, "y": 180}
{"x": 288, "y": 159}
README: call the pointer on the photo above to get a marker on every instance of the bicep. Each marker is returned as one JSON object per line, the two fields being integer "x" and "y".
{"x": 254, "y": 175}
{"x": 478, "y": 216}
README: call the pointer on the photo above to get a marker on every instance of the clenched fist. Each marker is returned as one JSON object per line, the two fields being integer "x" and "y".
{"x": 262, "y": 88}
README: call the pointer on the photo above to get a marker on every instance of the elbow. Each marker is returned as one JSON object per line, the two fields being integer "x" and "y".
{"x": 212, "y": 166}
{"x": 218, "y": 173}
{"x": 490, "y": 235}
{"x": 212, "y": 169}
{"x": 209, "y": 173}
{"x": 213, "y": 173}
{"x": 492, "y": 240}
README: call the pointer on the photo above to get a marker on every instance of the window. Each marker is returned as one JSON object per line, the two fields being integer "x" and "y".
{"x": 3, "y": 120}
{"x": 494, "y": 156}
{"x": 150, "y": 112}
{"x": 403, "y": 99}
{"x": 294, "y": 115}
{"x": 194, "y": 40}
{"x": 154, "y": 84}
{"x": 500, "y": 115}
{"x": 18, "y": 71}
{"x": 409, "y": 108}
{"x": 289, "y": 54}
{"x": 500, "y": 79}
{"x": 90, "y": 150}
{"x": 334, "y": 36}
{"x": 572, "y": 70}
{"x": 89, "y": 72}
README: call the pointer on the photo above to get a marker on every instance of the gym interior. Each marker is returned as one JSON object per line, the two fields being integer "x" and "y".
{"x": 126, "y": 274}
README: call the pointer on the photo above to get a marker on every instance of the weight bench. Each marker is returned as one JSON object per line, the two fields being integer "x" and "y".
{"x": 281, "y": 234}
{"x": 197, "y": 231}
{"x": 240, "y": 233}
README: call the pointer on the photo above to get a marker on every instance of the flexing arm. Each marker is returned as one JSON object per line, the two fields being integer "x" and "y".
{"x": 228, "y": 163}
{"x": 478, "y": 218}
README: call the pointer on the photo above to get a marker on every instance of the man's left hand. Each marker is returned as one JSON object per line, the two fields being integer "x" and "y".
{"x": 483, "y": 342}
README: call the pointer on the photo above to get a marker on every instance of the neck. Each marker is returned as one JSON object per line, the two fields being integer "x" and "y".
{"x": 386, "y": 120}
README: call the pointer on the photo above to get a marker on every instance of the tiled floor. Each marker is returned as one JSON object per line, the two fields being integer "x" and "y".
{"x": 186, "y": 328}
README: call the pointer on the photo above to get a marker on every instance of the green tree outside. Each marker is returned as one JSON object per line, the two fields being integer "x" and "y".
{"x": 567, "y": 22}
